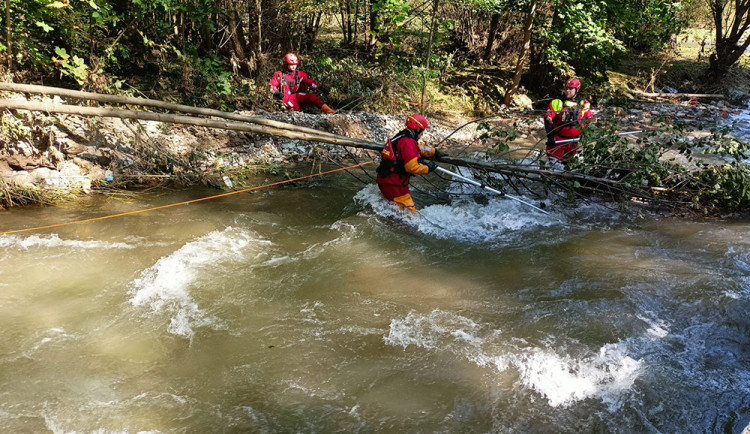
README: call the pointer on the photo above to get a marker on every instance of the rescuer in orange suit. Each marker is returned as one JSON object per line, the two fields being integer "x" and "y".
{"x": 291, "y": 87}
{"x": 401, "y": 158}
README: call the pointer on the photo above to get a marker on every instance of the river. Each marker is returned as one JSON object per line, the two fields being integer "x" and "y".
{"x": 317, "y": 307}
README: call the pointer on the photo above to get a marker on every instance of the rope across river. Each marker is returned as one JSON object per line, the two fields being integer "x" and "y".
{"x": 145, "y": 210}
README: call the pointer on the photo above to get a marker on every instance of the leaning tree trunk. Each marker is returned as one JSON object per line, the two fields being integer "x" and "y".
{"x": 7, "y": 36}
{"x": 428, "y": 54}
{"x": 519, "y": 171}
{"x": 237, "y": 35}
{"x": 491, "y": 37}
{"x": 524, "y": 53}
{"x": 145, "y": 102}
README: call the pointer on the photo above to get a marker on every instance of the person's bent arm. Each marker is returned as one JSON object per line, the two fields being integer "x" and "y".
{"x": 414, "y": 167}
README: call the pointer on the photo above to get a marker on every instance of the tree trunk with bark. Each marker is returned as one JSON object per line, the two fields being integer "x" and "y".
{"x": 428, "y": 54}
{"x": 8, "y": 41}
{"x": 237, "y": 36}
{"x": 730, "y": 45}
{"x": 524, "y": 53}
{"x": 491, "y": 37}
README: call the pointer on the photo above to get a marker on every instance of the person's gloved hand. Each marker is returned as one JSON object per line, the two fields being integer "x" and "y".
{"x": 439, "y": 155}
{"x": 278, "y": 95}
{"x": 551, "y": 141}
{"x": 431, "y": 166}
{"x": 324, "y": 90}
{"x": 564, "y": 116}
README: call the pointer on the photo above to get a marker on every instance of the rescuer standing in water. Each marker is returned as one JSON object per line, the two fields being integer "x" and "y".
{"x": 401, "y": 158}
{"x": 563, "y": 121}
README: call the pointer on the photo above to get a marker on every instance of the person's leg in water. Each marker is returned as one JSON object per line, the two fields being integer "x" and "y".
{"x": 406, "y": 201}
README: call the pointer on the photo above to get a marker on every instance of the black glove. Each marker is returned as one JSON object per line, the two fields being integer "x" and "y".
{"x": 278, "y": 95}
{"x": 439, "y": 155}
{"x": 551, "y": 140}
{"x": 431, "y": 166}
{"x": 324, "y": 90}
{"x": 569, "y": 118}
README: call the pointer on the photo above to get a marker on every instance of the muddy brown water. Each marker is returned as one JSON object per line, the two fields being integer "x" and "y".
{"x": 317, "y": 307}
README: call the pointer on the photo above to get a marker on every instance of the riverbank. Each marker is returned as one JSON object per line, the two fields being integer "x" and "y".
{"x": 46, "y": 157}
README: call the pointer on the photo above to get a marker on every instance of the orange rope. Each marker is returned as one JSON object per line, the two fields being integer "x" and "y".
{"x": 182, "y": 203}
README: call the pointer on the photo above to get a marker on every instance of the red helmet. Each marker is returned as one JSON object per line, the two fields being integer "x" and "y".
{"x": 573, "y": 83}
{"x": 291, "y": 59}
{"x": 416, "y": 122}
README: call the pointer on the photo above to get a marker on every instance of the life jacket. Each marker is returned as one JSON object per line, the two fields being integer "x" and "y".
{"x": 390, "y": 158}
{"x": 575, "y": 110}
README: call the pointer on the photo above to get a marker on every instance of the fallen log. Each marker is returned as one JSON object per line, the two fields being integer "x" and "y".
{"x": 679, "y": 95}
{"x": 313, "y": 136}
{"x": 515, "y": 170}
{"x": 145, "y": 102}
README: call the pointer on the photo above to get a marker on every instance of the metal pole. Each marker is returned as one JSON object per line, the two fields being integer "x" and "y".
{"x": 471, "y": 181}
{"x": 560, "y": 142}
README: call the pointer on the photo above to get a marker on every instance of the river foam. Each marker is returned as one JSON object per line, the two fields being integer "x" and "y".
{"x": 563, "y": 379}
{"x": 166, "y": 286}
{"x": 53, "y": 241}
{"x": 494, "y": 220}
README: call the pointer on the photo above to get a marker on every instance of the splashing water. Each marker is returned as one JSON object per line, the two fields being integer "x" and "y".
{"x": 166, "y": 285}
{"x": 562, "y": 380}
{"x": 498, "y": 221}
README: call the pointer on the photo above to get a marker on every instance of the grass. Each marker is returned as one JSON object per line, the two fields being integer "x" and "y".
{"x": 12, "y": 194}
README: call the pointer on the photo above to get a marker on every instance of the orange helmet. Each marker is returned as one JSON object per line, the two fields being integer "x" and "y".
{"x": 291, "y": 59}
{"x": 573, "y": 83}
{"x": 416, "y": 122}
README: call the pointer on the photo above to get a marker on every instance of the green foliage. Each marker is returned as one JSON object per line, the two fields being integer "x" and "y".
{"x": 635, "y": 164}
{"x": 13, "y": 128}
{"x": 388, "y": 15}
{"x": 647, "y": 25}
{"x": 578, "y": 40}
{"x": 77, "y": 27}
{"x": 71, "y": 66}
{"x": 664, "y": 161}
{"x": 497, "y": 139}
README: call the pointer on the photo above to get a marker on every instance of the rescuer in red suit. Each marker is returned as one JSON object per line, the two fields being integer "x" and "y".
{"x": 291, "y": 87}
{"x": 563, "y": 121}
{"x": 401, "y": 158}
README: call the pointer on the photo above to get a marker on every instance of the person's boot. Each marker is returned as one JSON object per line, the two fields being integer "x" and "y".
{"x": 327, "y": 109}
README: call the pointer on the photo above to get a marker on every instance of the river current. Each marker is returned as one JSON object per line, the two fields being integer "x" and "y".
{"x": 319, "y": 307}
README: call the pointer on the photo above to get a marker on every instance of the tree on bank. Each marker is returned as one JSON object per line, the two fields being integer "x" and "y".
{"x": 731, "y": 22}
{"x": 208, "y": 50}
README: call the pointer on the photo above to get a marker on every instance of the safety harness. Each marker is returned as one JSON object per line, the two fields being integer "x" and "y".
{"x": 293, "y": 84}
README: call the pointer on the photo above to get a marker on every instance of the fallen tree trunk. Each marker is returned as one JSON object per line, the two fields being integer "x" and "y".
{"x": 528, "y": 172}
{"x": 313, "y": 136}
{"x": 679, "y": 95}
{"x": 145, "y": 102}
